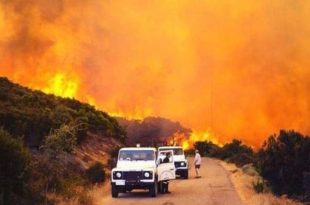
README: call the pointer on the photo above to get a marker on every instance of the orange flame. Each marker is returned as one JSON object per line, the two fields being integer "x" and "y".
{"x": 61, "y": 85}
{"x": 134, "y": 115}
{"x": 187, "y": 142}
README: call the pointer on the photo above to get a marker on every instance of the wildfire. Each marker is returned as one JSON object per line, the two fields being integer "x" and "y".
{"x": 168, "y": 58}
{"x": 133, "y": 115}
{"x": 187, "y": 142}
{"x": 185, "y": 145}
{"x": 62, "y": 85}
{"x": 202, "y": 136}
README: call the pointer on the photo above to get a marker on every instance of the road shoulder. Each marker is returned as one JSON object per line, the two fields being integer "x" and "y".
{"x": 243, "y": 184}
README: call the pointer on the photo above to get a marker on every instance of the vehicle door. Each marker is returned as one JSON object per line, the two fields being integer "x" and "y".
{"x": 165, "y": 171}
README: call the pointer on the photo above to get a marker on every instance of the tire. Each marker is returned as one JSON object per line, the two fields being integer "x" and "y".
{"x": 159, "y": 187}
{"x": 114, "y": 191}
{"x": 185, "y": 175}
{"x": 153, "y": 190}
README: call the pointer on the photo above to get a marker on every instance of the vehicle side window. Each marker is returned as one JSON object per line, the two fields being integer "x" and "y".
{"x": 165, "y": 157}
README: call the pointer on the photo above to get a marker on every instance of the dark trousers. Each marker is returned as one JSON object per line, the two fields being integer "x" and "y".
{"x": 164, "y": 186}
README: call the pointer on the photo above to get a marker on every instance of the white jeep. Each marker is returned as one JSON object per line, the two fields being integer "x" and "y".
{"x": 139, "y": 168}
{"x": 179, "y": 159}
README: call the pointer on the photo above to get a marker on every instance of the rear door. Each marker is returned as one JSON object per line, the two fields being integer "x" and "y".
{"x": 166, "y": 171}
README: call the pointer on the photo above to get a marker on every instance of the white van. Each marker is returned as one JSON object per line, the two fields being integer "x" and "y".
{"x": 138, "y": 168}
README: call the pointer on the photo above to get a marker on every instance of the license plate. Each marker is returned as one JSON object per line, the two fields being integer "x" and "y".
{"x": 131, "y": 181}
{"x": 120, "y": 183}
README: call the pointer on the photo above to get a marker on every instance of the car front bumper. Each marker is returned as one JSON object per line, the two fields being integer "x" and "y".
{"x": 181, "y": 170}
{"x": 124, "y": 186}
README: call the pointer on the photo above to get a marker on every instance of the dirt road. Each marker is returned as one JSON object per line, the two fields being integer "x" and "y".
{"x": 214, "y": 188}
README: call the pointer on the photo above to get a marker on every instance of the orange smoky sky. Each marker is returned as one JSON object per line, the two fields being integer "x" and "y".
{"x": 236, "y": 68}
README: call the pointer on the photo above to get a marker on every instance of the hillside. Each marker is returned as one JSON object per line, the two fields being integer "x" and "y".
{"x": 32, "y": 114}
{"x": 52, "y": 149}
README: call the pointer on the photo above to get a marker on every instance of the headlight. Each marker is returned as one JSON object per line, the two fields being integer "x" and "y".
{"x": 183, "y": 164}
{"x": 118, "y": 175}
{"x": 147, "y": 175}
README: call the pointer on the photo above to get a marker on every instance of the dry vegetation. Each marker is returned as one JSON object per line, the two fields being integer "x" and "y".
{"x": 95, "y": 148}
{"x": 243, "y": 179}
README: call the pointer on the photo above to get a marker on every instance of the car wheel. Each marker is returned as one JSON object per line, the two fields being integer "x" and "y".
{"x": 153, "y": 190}
{"x": 185, "y": 175}
{"x": 114, "y": 191}
{"x": 158, "y": 187}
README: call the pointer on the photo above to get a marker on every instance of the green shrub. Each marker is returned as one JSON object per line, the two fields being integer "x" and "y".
{"x": 189, "y": 152}
{"x": 241, "y": 159}
{"x": 15, "y": 172}
{"x": 259, "y": 186}
{"x": 235, "y": 151}
{"x": 206, "y": 148}
{"x": 282, "y": 161}
{"x": 70, "y": 186}
{"x": 235, "y": 147}
{"x": 95, "y": 173}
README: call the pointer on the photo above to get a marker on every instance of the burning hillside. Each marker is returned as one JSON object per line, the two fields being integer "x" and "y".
{"x": 154, "y": 131}
{"x": 159, "y": 131}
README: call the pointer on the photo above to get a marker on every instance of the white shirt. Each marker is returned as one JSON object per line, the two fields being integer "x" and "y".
{"x": 197, "y": 160}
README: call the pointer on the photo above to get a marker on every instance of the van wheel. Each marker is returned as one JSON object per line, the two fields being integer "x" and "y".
{"x": 114, "y": 191}
{"x": 153, "y": 190}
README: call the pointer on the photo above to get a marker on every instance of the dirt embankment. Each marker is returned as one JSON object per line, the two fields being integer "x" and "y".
{"x": 95, "y": 149}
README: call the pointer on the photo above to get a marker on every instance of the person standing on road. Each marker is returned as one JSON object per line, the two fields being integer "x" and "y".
{"x": 197, "y": 163}
{"x": 165, "y": 184}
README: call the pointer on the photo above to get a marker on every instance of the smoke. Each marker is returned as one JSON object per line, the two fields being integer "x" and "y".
{"x": 239, "y": 68}
{"x": 154, "y": 131}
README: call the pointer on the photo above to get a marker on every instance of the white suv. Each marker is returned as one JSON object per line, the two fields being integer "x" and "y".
{"x": 138, "y": 168}
{"x": 179, "y": 159}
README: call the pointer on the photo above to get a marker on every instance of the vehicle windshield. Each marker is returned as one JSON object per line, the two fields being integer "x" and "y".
{"x": 130, "y": 155}
{"x": 176, "y": 151}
